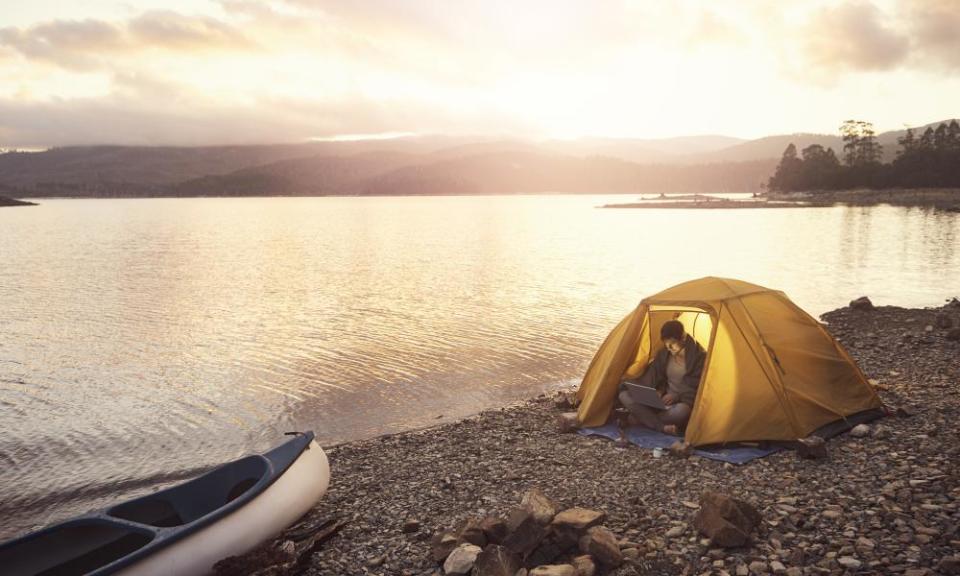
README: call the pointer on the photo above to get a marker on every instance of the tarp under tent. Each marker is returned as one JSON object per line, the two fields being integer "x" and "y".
{"x": 772, "y": 371}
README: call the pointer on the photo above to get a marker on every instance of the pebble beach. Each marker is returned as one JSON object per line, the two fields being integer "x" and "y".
{"x": 884, "y": 503}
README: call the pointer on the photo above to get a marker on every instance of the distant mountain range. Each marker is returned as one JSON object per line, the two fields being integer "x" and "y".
{"x": 411, "y": 165}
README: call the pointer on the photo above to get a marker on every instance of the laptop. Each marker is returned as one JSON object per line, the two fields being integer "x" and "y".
{"x": 645, "y": 395}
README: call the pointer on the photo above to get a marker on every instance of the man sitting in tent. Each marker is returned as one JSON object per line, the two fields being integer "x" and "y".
{"x": 675, "y": 374}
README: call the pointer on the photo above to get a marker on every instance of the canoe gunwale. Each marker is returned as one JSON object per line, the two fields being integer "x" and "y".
{"x": 275, "y": 462}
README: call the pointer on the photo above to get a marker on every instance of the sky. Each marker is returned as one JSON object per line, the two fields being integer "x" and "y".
{"x": 199, "y": 72}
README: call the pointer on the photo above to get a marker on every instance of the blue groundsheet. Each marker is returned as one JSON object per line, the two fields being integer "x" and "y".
{"x": 646, "y": 438}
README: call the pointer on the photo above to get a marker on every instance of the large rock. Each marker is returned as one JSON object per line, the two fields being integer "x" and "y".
{"x": 442, "y": 544}
{"x": 943, "y": 321}
{"x": 495, "y": 529}
{"x": 570, "y": 525}
{"x": 953, "y": 335}
{"x": 496, "y": 560}
{"x": 727, "y": 521}
{"x": 472, "y": 531}
{"x": 545, "y": 553}
{"x": 861, "y": 303}
{"x": 542, "y": 507}
{"x": 585, "y": 565}
{"x": 460, "y": 562}
{"x": 525, "y": 532}
{"x": 578, "y": 518}
{"x": 553, "y": 570}
{"x": 602, "y": 545}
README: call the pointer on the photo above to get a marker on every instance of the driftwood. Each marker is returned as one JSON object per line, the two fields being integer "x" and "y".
{"x": 286, "y": 556}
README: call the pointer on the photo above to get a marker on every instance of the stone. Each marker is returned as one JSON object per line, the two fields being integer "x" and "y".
{"x": 442, "y": 544}
{"x": 566, "y": 400}
{"x": 862, "y": 303}
{"x": 526, "y": 533}
{"x": 542, "y": 507}
{"x": 584, "y": 565}
{"x": 953, "y": 335}
{"x": 949, "y": 565}
{"x": 495, "y": 529}
{"x": 675, "y": 532}
{"x": 410, "y": 526}
{"x": 811, "y": 448}
{"x": 496, "y": 560}
{"x": 570, "y": 525}
{"x": 849, "y": 562}
{"x": 288, "y": 547}
{"x": 727, "y": 521}
{"x": 567, "y": 422}
{"x": 375, "y": 562}
{"x": 794, "y": 571}
{"x": 777, "y": 567}
{"x": 860, "y": 431}
{"x": 681, "y": 449}
{"x": 758, "y": 567}
{"x": 579, "y": 518}
{"x": 472, "y": 532}
{"x": 943, "y": 321}
{"x": 553, "y": 570}
{"x": 460, "y": 562}
{"x": 600, "y": 543}
{"x": 904, "y": 411}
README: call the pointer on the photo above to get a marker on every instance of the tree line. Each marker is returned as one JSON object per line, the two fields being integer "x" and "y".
{"x": 929, "y": 161}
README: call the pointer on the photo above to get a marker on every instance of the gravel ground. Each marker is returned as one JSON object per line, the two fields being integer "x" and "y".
{"x": 888, "y": 503}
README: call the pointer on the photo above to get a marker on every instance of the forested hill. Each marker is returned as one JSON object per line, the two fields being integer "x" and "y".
{"x": 415, "y": 165}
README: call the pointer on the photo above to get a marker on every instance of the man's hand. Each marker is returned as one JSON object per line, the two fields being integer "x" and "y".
{"x": 669, "y": 399}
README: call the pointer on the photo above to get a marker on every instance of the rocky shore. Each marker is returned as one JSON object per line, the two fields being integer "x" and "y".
{"x": 940, "y": 198}
{"x": 4, "y": 201}
{"x": 886, "y": 502}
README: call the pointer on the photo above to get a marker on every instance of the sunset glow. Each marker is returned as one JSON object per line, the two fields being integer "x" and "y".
{"x": 240, "y": 71}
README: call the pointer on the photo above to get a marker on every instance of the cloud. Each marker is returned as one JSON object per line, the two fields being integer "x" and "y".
{"x": 935, "y": 27}
{"x": 853, "y": 37}
{"x": 88, "y": 44}
{"x": 172, "y": 30}
{"x": 170, "y": 116}
{"x": 71, "y": 44}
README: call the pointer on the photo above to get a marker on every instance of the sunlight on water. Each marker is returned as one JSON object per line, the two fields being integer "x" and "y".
{"x": 143, "y": 339}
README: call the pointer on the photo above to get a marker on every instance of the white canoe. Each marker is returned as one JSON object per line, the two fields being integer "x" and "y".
{"x": 185, "y": 529}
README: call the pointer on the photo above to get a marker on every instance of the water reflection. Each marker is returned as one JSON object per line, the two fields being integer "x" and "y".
{"x": 143, "y": 338}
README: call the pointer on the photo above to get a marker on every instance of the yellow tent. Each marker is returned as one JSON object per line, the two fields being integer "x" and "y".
{"x": 772, "y": 371}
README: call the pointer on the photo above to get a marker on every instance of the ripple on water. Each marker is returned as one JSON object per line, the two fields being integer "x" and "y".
{"x": 144, "y": 340}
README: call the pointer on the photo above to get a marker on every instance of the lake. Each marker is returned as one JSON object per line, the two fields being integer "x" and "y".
{"x": 143, "y": 340}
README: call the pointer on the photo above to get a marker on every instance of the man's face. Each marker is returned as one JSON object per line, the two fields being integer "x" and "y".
{"x": 673, "y": 345}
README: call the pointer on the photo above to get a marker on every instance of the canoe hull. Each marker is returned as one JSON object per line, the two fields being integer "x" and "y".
{"x": 264, "y": 517}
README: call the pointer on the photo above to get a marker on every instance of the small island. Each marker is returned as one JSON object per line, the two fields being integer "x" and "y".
{"x": 4, "y": 201}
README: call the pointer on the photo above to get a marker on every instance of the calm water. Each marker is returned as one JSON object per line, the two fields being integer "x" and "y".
{"x": 141, "y": 340}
